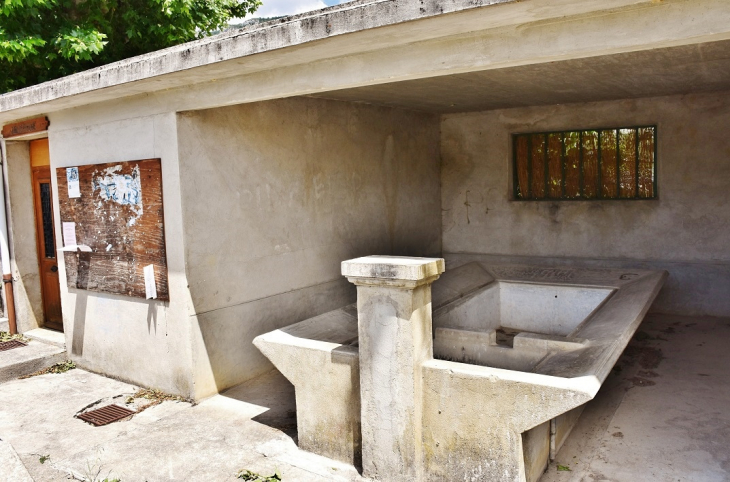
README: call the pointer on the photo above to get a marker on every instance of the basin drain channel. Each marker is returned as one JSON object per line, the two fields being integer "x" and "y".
{"x": 9, "y": 345}
{"x": 105, "y": 415}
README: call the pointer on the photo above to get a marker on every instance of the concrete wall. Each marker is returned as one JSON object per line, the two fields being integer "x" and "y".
{"x": 685, "y": 231}
{"x": 142, "y": 341}
{"x": 276, "y": 194}
{"x": 22, "y": 238}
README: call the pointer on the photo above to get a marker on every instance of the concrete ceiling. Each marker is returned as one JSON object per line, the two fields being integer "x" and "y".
{"x": 676, "y": 70}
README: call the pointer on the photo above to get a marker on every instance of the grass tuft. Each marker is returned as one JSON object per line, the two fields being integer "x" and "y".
{"x": 155, "y": 397}
{"x": 62, "y": 367}
{"x": 254, "y": 477}
{"x": 5, "y": 336}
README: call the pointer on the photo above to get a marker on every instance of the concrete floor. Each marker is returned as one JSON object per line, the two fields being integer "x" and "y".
{"x": 664, "y": 412}
{"x": 173, "y": 441}
{"x": 29, "y": 359}
{"x": 661, "y": 415}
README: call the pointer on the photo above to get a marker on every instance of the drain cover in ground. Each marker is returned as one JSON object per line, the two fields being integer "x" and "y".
{"x": 9, "y": 345}
{"x": 105, "y": 415}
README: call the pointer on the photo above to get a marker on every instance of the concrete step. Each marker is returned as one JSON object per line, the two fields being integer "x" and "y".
{"x": 12, "y": 467}
{"x": 4, "y": 325}
{"x": 28, "y": 359}
{"x": 49, "y": 337}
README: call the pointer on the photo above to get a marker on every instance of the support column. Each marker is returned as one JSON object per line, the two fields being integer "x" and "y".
{"x": 395, "y": 338}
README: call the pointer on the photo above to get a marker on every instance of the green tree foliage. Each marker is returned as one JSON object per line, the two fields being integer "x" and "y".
{"x": 42, "y": 40}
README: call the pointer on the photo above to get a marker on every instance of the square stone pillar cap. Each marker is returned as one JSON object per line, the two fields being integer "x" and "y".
{"x": 389, "y": 270}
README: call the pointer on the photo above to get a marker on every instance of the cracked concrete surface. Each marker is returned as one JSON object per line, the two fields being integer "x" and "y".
{"x": 12, "y": 468}
{"x": 26, "y": 360}
{"x": 171, "y": 441}
{"x": 663, "y": 415}
{"x": 676, "y": 428}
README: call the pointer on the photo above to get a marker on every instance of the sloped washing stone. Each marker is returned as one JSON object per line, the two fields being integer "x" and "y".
{"x": 545, "y": 373}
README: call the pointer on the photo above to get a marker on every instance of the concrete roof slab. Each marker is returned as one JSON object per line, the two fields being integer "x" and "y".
{"x": 380, "y": 42}
{"x": 289, "y": 31}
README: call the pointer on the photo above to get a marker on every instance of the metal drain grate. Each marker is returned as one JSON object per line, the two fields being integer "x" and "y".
{"x": 104, "y": 415}
{"x": 9, "y": 345}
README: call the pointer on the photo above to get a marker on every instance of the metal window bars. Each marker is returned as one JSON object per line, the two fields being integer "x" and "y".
{"x": 589, "y": 164}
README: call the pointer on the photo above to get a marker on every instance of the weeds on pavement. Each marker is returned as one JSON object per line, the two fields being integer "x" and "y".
{"x": 5, "y": 336}
{"x": 254, "y": 477}
{"x": 62, "y": 367}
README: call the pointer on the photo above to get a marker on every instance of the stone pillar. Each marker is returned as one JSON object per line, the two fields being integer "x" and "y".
{"x": 395, "y": 337}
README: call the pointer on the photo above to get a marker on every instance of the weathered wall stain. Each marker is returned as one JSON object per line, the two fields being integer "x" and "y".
{"x": 276, "y": 194}
{"x": 686, "y": 223}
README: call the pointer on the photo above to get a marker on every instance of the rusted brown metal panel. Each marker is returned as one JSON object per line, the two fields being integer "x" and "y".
{"x": 105, "y": 415}
{"x": 9, "y": 345}
{"x": 122, "y": 224}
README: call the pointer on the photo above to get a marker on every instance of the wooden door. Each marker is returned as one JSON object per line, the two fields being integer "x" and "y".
{"x": 45, "y": 234}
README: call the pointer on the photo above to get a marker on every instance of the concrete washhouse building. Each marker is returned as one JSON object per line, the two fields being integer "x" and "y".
{"x": 578, "y": 133}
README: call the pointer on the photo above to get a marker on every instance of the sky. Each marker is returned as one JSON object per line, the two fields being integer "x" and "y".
{"x": 276, "y": 8}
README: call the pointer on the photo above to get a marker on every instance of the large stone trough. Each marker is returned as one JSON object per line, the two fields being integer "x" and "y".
{"x": 488, "y": 390}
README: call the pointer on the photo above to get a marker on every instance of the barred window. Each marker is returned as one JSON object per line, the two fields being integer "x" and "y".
{"x": 617, "y": 163}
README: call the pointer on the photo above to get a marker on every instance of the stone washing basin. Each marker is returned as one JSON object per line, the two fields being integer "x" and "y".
{"x": 508, "y": 323}
{"x": 560, "y": 327}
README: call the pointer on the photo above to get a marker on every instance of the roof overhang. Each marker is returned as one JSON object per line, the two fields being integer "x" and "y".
{"x": 366, "y": 43}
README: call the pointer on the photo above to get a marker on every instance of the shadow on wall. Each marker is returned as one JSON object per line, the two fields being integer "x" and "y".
{"x": 78, "y": 337}
{"x": 151, "y": 316}
{"x": 79, "y": 326}
{"x": 275, "y": 195}
{"x": 234, "y": 362}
